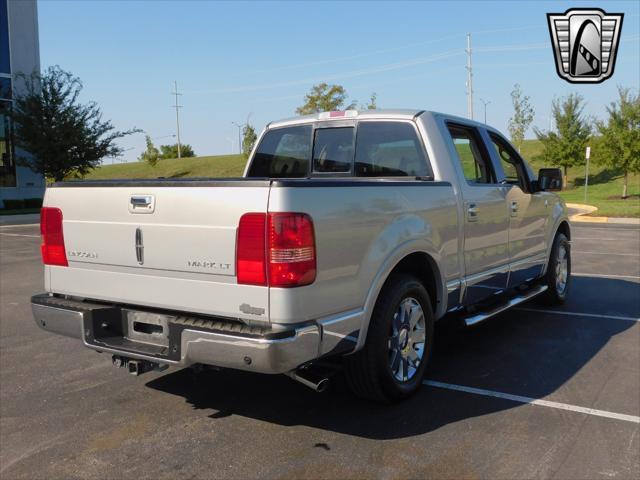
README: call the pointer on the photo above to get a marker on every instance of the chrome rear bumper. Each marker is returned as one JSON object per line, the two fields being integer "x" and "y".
{"x": 190, "y": 341}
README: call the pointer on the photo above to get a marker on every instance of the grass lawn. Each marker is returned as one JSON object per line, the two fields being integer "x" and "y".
{"x": 212, "y": 166}
{"x": 603, "y": 184}
{"x": 606, "y": 196}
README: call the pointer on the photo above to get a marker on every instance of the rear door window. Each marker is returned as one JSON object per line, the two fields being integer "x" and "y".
{"x": 512, "y": 165}
{"x": 283, "y": 153}
{"x": 389, "y": 149}
{"x": 472, "y": 156}
{"x": 333, "y": 150}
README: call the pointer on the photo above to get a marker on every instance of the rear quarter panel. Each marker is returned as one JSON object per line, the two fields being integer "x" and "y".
{"x": 361, "y": 233}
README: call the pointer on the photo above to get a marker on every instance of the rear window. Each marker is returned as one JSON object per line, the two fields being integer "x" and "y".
{"x": 333, "y": 150}
{"x": 283, "y": 153}
{"x": 389, "y": 149}
{"x": 379, "y": 149}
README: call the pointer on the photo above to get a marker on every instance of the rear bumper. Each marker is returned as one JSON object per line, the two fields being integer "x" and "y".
{"x": 102, "y": 328}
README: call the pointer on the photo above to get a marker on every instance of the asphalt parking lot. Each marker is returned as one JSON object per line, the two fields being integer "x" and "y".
{"x": 533, "y": 393}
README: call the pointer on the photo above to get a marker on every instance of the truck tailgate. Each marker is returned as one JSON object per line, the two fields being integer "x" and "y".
{"x": 170, "y": 247}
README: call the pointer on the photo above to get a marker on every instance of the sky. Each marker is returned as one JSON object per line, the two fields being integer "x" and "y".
{"x": 256, "y": 60}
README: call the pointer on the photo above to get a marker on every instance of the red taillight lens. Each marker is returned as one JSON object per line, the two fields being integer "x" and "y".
{"x": 292, "y": 250}
{"x": 52, "y": 247}
{"x": 251, "y": 251}
{"x": 276, "y": 249}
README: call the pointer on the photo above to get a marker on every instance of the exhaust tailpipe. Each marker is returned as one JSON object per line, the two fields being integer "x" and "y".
{"x": 316, "y": 382}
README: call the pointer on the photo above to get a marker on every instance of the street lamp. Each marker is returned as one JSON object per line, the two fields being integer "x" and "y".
{"x": 239, "y": 135}
{"x": 485, "y": 109}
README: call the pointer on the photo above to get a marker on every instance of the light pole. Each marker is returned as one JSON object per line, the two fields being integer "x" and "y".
{"x": 177, "y": 107}
{"x": 239, "y": 136}
{"x": 485, "y": 109}
{"x": 231, "y": 142}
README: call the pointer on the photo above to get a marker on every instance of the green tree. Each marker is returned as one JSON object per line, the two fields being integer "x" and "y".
{"x": 566, "y": 146}
{"x": 171, "y": 151}
{"x": 249, "y": 138}
{"x": 619, "y": 145}
{"x": 324, "y": 98}
{"x": 522, "y": 118}
{"x": 63, "y": 136}
{"x": 373, "y": 104}
{"x": 151, "y": 155}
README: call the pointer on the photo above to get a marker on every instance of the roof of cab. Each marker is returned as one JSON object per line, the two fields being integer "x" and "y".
{"x": 406, "y": 114}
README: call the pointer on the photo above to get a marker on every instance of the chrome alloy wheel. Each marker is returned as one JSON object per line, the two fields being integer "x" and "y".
{"x": 562, "y": 269}
{"x": 407, "y": 340}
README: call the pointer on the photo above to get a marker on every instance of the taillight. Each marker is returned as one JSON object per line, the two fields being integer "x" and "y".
{"x": 52, "y": 247}
{"x": 250, "y": 263}
{"x": 276, "y": 249}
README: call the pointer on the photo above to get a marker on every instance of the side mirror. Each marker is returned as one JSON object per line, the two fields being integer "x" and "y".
{"x": 550, "y": 180}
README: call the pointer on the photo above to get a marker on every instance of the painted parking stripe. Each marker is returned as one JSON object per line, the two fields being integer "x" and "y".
{"x": 600, "y": 275}
{"x": 607, "y": 253}
{"x": 577, "y": 314}
{"x": 18, "y": 235}
{"x": 598, "y": 239}
{"x": 630, "y": 228}
{"x": 533, "y": 401}
{"x": 20, "y": 225}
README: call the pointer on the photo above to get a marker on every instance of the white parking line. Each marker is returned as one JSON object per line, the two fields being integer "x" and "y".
{"x": 597, "y": 239}
{"x": 18, "y": 235}
{"x": 607, "y": 253}
{"x": 577, "y": 314}
{"x": 20, "y": 225}
{"x": 629, "y": 229}
{"x": 599, "y": 275}
{"x": 534, "y": 401}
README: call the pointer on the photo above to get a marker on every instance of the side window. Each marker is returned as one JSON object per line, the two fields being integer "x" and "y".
{"x": 389, "y": 149}
{"x": 333, "y": 150}
{"x": 511, "y": 163}
{"x": 283, "y": 153}
{"x": 475, "y": 164}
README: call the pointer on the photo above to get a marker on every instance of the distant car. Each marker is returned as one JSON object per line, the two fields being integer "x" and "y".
{"x": 348, "y": 236}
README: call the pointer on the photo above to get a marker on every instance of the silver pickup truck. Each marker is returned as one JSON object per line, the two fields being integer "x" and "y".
{"x": 348, "y": 236}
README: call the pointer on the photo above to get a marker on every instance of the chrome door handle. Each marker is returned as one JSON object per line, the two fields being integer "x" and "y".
{"x": 514, "y": 209}
{"x": 472, "y": 212}
{"x": 141, "y": 200}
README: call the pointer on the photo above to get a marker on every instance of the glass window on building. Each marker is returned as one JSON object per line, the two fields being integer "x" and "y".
{"x": 7, "y": 162}
{"x": 5, "y": 62}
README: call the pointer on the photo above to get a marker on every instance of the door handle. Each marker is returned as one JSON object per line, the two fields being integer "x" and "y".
{"x": 141, "y": 200}
{"x": 514, "y": 209}
{"x": 472, "y": 212}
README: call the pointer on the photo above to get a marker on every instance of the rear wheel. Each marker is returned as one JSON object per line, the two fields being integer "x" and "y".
{"x": 558, "y": 276}
{"x": 392, "y": 363}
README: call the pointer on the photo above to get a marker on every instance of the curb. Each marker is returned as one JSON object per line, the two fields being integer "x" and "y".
{"x": 587, "y": 209}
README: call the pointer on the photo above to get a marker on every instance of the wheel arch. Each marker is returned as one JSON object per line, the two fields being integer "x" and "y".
{"x": 561, "y": 227}
{"x": 417, "y": 263}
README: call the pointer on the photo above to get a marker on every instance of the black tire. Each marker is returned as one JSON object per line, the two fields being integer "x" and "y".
{"x": 368, "y": 371}
{"x": 556, "y": 294}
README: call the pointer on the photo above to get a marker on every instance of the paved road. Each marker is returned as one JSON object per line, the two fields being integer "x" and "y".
{"x": 65, "y": 412}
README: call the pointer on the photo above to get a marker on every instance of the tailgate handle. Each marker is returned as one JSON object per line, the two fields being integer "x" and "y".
{"x": 141, "y": 200}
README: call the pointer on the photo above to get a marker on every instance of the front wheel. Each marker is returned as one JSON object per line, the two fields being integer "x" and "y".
{"x": 392, "y": 363}
{"x": 558, "y": 276}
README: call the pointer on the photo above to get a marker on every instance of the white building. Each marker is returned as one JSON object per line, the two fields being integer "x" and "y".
{"x": 19, "y": 53}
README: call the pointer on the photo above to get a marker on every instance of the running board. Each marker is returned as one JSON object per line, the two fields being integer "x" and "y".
{"x": 481, "y": 317}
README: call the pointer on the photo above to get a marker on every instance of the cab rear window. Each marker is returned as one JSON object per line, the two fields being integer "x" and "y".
{"x": 283, "y": 153}
{"x": 370, "y": 149}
